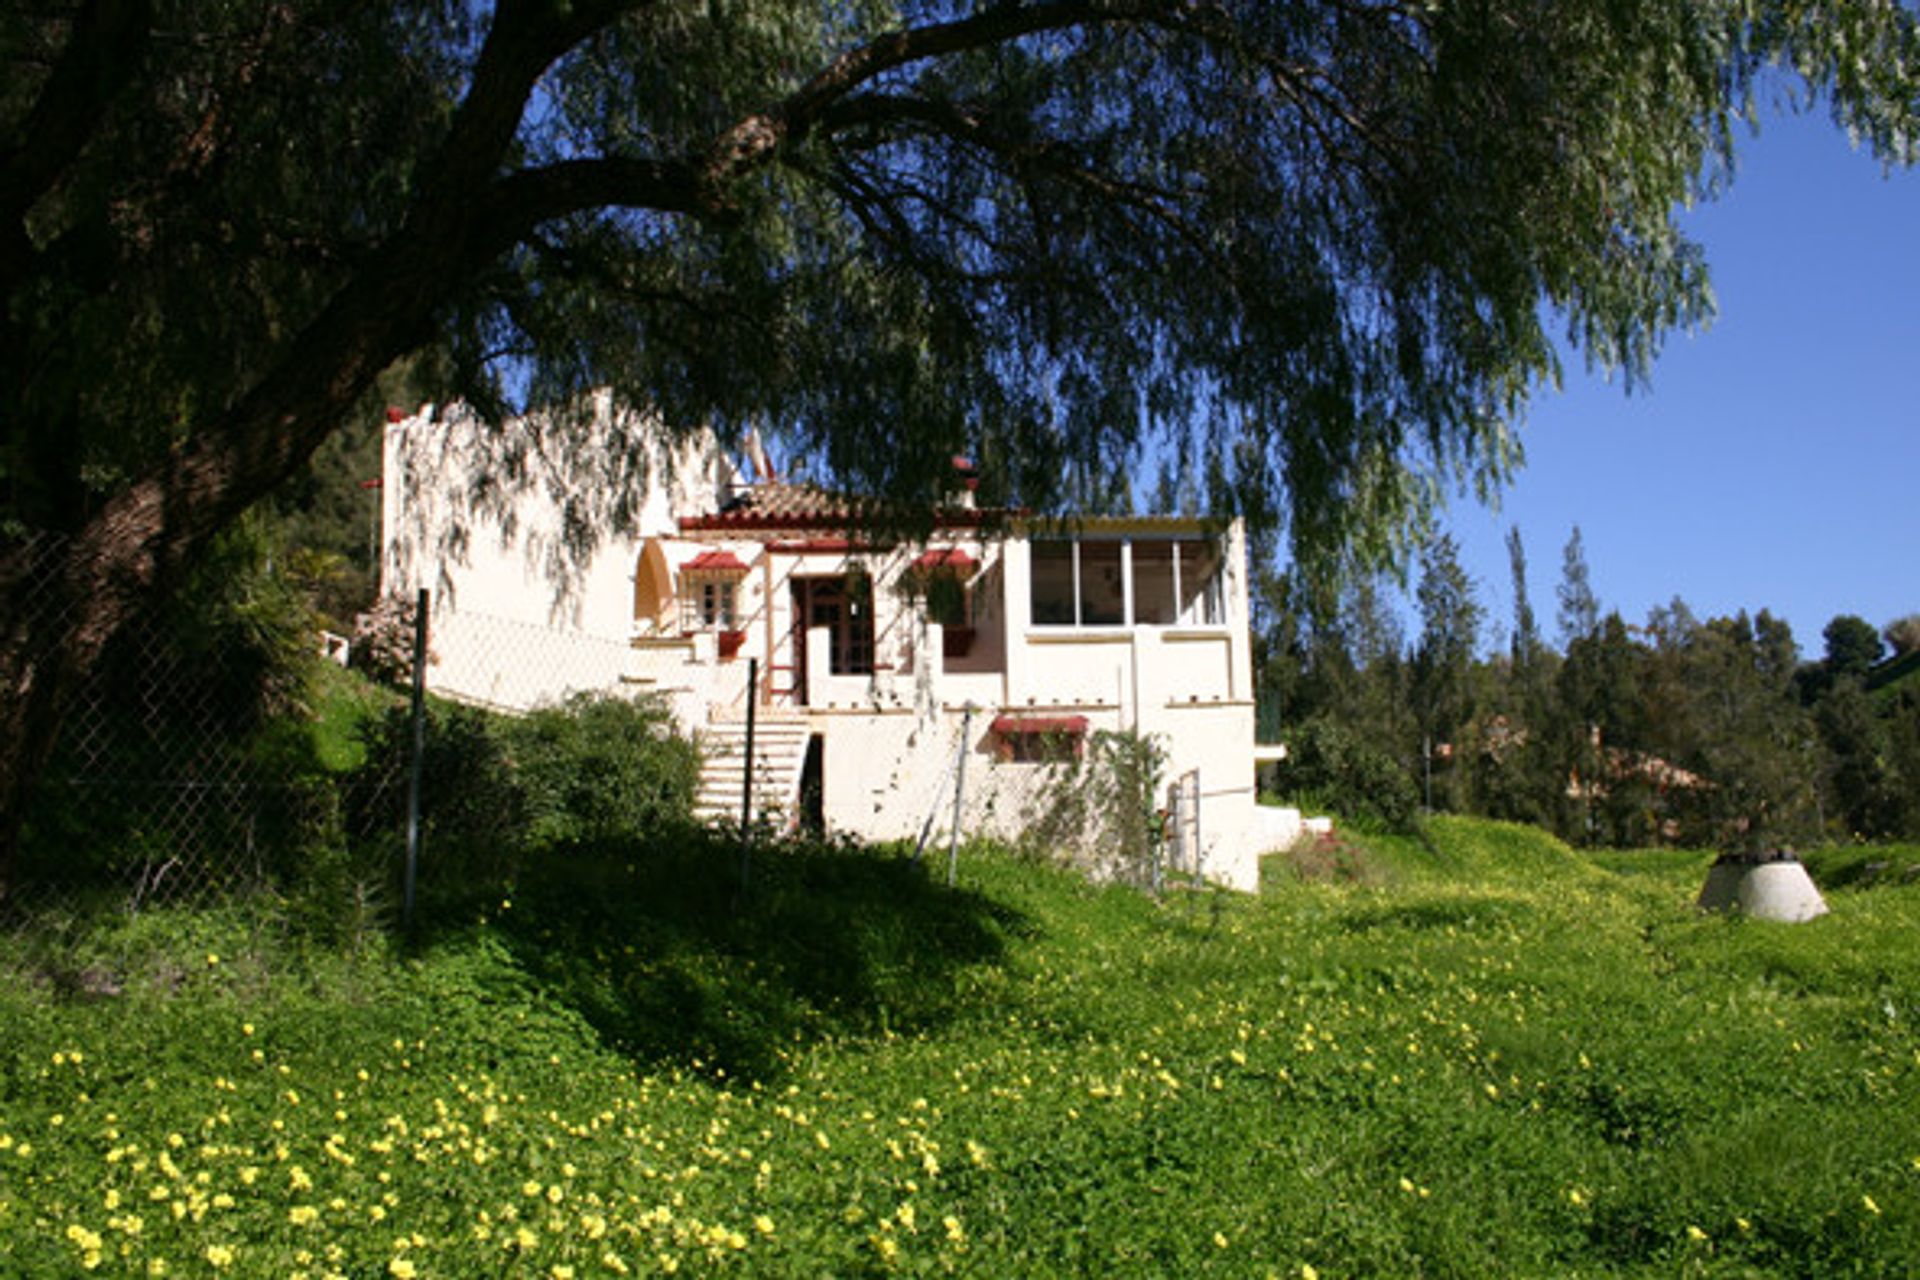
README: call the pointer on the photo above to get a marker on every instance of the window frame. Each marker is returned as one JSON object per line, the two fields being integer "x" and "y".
{"x": 1210, "y": 601}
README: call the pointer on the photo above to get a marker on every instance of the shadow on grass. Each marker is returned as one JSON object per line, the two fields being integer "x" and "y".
{"x": 656, "y": 945}
{"x": 1461, "y": 915}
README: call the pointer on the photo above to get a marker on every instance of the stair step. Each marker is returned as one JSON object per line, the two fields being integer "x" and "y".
{"x": 779, "y": 751}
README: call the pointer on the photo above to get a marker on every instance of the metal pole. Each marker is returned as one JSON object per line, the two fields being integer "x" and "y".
{"x": 1426, "y": 751}
{"x": 419, "y": 750}
{"x": 746, "y": 775}
{"x": 933, "y": 806}
{"x": 1199, "y": 845}
{"x": 959, "y": 794}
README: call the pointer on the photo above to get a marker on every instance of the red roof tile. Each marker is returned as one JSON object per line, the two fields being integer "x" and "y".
{"x": 784, "y": 505}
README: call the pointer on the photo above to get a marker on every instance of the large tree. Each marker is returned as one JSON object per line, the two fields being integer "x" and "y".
{"x": 1311, "y": 240}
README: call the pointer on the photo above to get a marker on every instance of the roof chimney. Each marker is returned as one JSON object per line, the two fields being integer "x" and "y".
{"x": 969, "y": 477}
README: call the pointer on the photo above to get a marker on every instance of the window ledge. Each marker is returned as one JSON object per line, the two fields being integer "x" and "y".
{"x": 1047, "y": 634}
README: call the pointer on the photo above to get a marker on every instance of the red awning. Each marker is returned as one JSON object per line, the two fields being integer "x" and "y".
{"x": 1007, "y": 726}
{"x": 714, "y": 562}
{"x": 952, "y": 558}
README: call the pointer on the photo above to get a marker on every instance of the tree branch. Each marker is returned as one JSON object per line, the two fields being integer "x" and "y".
{"x": 753, "y": 140}
{"x": 516, "y": 204}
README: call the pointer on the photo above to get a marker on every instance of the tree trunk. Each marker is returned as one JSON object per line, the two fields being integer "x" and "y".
{"x": 64, "y": 598}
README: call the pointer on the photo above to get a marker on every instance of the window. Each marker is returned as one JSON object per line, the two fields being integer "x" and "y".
{"x": 1155, "y": 599}
{"x": 1144, "y": 582}
{"x": 709, "y": 604}
{"x": 1103, "y": 591}
{"x": 1053, "y": 579}
{"x": 1202, "y": 585}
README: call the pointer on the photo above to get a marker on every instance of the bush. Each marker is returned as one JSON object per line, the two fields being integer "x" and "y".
{"x": 1100, "y": 809}
{"x": 1349, "y": 775}
{"x": 598, "y": 768}
{"x": 495, "y": 789}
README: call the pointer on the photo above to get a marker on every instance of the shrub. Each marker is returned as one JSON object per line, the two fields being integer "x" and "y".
{"x": 383, "y": 640}
{"x": 471, "y": 809}
{"x": 1349, "y": 775}
{"x": 597, "y": 768}
{"x": 1100, "y": 809}
{"x": 495, "y": 789}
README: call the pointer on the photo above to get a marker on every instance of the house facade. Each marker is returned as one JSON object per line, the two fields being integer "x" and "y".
{"x": 896, "y": 686}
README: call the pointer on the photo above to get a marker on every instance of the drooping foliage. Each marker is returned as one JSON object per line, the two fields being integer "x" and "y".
{"x": 1306, "y": 243}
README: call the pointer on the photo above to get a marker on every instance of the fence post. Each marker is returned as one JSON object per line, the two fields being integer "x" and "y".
{"x": 959, "y": 794}
{"x": 419, "y": 750}
{"x": 1199, "y": 843}
{"x": 746, "y": 773}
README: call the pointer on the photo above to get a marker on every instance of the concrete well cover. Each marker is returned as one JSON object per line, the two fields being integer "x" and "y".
{"x": 1765, "y": 886}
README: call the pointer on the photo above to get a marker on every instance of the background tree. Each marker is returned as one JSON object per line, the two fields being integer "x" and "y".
{"x": 1516, "y": 776}
{"x": 1853, "y": 646}
{"x": 1903, "y": 635}
{"x": 1579, "y": 607}
{"x": 1602, "y": 720}
{"x": 1309, "y": 241}
{"x": 1442, "y": 666}
{"x": 1863, "y": 782}
{"x": 1525, "y": 644}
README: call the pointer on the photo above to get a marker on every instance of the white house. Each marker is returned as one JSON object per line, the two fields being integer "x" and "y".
{"x": 879, "y": 664}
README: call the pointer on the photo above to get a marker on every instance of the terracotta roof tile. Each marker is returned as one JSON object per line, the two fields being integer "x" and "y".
{"x": 788, "y": 505}
{"x": 781, "y": 505}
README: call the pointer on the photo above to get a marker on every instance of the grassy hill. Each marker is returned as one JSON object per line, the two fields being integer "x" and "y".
{"x": 1504, "y": 1058}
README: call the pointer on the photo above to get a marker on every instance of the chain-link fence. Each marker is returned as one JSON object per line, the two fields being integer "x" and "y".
{"x": 206, "y": 755}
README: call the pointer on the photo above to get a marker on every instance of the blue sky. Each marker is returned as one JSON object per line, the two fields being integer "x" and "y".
{"x": 1775, "y": 460}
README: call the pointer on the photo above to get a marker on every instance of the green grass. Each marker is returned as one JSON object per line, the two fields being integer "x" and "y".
{"x": 1514, "y": 1060}
{"x": 344, "y": 706}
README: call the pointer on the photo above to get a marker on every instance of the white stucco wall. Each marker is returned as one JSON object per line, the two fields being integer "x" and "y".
{"x": 518, "y": 623}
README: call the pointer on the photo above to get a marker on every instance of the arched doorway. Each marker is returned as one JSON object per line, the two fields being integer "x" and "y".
{"x": 653, "y": 596}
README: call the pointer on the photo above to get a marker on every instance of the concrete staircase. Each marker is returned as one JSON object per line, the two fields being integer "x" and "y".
{"x": 779, "y": 751}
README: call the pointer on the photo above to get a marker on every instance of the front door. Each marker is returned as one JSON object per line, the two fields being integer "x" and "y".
{"x": 844, "y": 606}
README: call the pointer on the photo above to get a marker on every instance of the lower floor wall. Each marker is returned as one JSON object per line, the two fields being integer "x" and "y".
{"x": 892, "y": 763}
{"x": 896, "y": 776}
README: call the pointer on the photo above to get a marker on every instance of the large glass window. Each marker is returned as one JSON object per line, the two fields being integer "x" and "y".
{"x": 1154, "y": 601}
{"x": 1146, "y": 582}
{"x": 1103, "y": 591}
{"x": 1053, "y": 589}
{"x": 1202, "y": 586}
